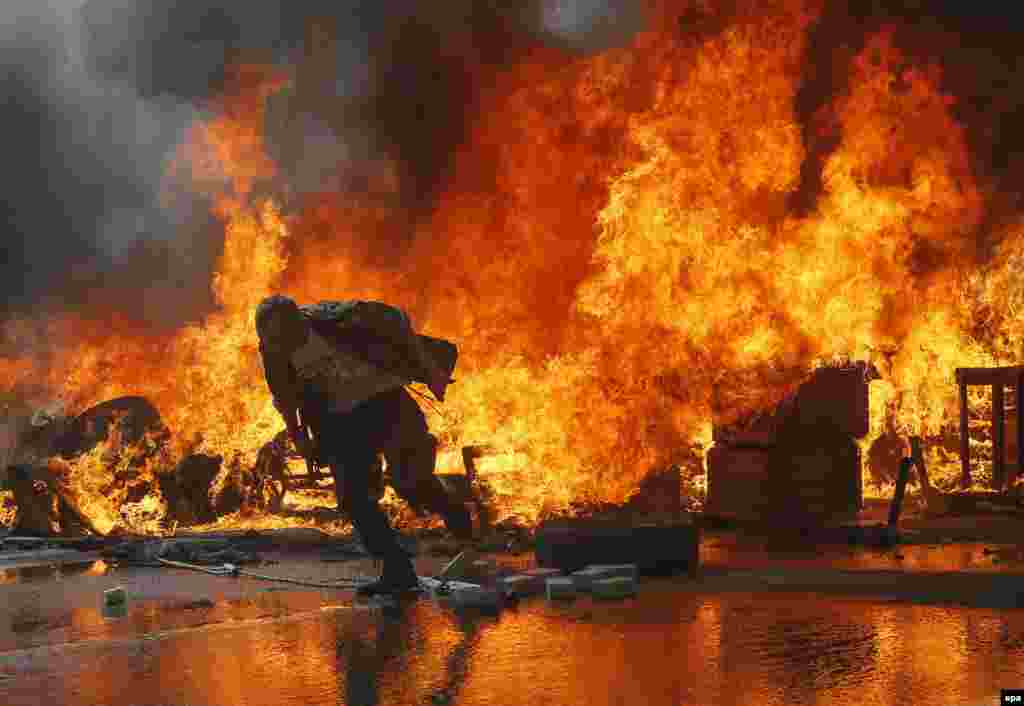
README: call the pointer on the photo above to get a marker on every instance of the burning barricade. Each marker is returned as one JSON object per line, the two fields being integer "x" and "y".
{"x": 111, "y": 469}
{"x": 800, "y": 462}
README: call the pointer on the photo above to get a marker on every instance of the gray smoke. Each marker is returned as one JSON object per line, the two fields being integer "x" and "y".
{"x": 592, "y": 25}
{"x": 83, "y": 158}
{"x": 100, "y": 93}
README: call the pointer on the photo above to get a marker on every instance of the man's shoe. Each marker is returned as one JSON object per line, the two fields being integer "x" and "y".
{"x": 393, "y": 581}
{"x": 389, "y": 587}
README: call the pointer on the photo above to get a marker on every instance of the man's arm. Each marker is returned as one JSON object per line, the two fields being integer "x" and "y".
{"x": 287, "y": 399}
{"x": 437, "y": 380}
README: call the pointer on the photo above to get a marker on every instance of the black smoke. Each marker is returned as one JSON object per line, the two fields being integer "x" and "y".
{"x": 975, "y": 43}
{"x": 81, "y": 160}
{"x": 100, "y": 92}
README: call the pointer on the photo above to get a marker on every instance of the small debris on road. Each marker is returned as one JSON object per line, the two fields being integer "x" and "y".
{"x": 613, "y": 588}
{"x": 114, "y": 596}
{"x": 561, "y": 589}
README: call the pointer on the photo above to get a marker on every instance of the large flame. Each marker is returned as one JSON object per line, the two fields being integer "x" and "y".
{"x": 615, "y": 256}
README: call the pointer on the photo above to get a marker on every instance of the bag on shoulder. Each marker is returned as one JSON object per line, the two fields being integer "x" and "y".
{"x": 379, "y": 334}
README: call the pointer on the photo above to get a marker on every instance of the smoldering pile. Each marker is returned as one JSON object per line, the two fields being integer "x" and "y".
{"x": 112, "y": 470}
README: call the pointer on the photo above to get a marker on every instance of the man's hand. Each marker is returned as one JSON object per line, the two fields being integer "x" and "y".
{"x": 303, "y": 445}
{"x": 438, "y": 384}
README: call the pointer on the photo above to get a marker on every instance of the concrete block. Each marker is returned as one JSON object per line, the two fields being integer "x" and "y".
{"x": 584, "y": 579}
{"x": 481, "y": 569}
{"x": 543, "y": 573}
{"x": 434, "y": 584}
{"x": 114, "y": 596}
{"x": 560, "y": 589}
{"x": 521, "y": 585}
{"x": 615, "y": 587}
{"x": 476, "y": 597}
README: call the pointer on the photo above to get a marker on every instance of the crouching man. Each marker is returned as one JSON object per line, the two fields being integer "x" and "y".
{"x": 337, "y": 372}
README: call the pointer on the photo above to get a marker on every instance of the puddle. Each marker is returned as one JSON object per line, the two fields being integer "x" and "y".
{"x": 666, "y": 647}
{"x": 189, "y": 638}
{"x": 924, "y": 558}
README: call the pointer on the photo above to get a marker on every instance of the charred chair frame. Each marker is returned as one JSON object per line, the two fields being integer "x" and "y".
{"x": 998, "y": 379}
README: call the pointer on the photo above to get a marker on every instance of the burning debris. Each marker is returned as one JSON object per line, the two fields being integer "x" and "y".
{"x": 800, "y": 462}
{"x": 110, "y": 469}
{"x": 622, "y": 296}
{"x": 193, "y": 551}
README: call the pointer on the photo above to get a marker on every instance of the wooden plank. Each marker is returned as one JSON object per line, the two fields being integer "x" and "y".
{"x": 989, "y": 376}
{"x": 965, "y": 439}
{"x": 937, "y": 504}
{"x": 896, "y": 506}
{"x": 998, "y": 437}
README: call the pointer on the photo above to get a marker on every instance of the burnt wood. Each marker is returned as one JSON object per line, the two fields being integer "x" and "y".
{"x": 965, "y": 438}
{"x": 998, "y": 437}
{"x": 998, "y": 379}
{"x": 896, "y": 507}
{"x": 1019, "y": 399}
{"x": 1008, "y": 375}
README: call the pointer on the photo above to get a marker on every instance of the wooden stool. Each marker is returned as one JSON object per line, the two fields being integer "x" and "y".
{"x": 998, "y": 379}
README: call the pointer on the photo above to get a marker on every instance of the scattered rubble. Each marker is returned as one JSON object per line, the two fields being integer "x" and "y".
{"x": 528, "y": 583}
{"x": 114, "y": 596}
{"x": 615, "y": 587}
{"x": 560, "y": 589}
{"x": 585, "y": 579}
{"x": 520, "y": 586}
{"x": 246, "y": 490}
{"x": 186, "y": 488}
{"x": 477, "y": 597}
{"x": 39, "y": 509}
{"x": 193, "y": 551}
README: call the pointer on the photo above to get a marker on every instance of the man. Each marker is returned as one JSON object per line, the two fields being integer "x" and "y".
{"x": 339, "y": 370}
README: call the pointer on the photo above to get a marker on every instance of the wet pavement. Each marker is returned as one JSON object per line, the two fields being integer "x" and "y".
{"x": 972, "y": 557}
{"x": 791, "y": 627}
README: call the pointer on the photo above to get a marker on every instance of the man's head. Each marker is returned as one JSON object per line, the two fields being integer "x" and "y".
{"x": 280, "y": 325}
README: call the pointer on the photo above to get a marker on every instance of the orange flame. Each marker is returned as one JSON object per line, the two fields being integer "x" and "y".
{"x": 614, "y": 256}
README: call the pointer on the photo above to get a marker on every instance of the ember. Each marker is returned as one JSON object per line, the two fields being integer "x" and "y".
{"x": 613, "y": 249}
